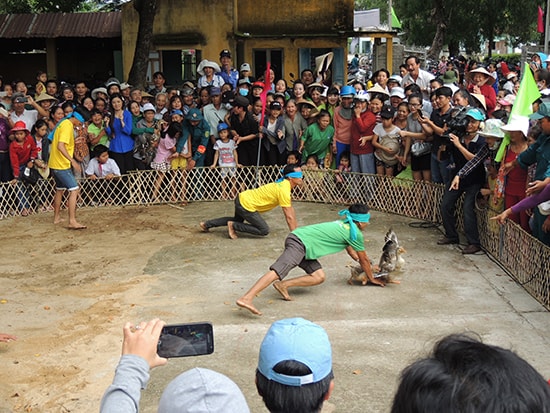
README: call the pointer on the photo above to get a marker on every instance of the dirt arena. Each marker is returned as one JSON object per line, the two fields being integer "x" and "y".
{"x": 66, "y": 295}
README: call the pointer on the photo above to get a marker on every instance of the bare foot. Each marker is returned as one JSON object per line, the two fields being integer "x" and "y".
{"x": 278, "y": 285}
{"x": 245, "y": 304}
{"x": 231, "y": 231}
{"x": 203, "y": 226}
{"x": 58, "y": 220}
{"x": 76, "y": 226}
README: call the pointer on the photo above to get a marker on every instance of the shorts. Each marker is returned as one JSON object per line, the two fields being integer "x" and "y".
{"x": 294, "y": 256}
{"x": 228, "y": 171}
{"x": 421, "y": 163}
{"x": 179, "y": 163}
{"x": 64, "y": 180}
{"x": 160, "y": 166}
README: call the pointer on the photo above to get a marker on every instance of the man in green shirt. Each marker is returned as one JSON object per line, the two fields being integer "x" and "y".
{"x": 305, "y": 245}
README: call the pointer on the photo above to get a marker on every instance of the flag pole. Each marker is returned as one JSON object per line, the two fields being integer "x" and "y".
{"x": 546, "y": 27}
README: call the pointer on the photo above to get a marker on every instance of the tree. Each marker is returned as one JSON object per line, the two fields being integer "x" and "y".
{"x": 466, "y": 23}
{"x": 138, "y": 73}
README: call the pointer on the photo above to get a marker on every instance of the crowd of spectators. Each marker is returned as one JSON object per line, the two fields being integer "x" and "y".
{"x": 413, "y": 125}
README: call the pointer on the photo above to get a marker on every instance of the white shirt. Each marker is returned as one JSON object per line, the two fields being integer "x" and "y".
{"x": 423, "y": 80}
{"x": 101, "y": 171}
{"x": 28, "y": 116}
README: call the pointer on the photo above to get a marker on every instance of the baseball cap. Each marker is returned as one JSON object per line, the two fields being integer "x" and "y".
{"x": 215, "y": 91}
{"x": 194, "y": 114}
{"x": 241, "y": 101}
{"x": 387, "y": 112}
{"x": 543, "y": 112}
{"x": 476, "y": 114}
{"x": 222, "y": 126}
{"x": 176, "y": 112}
{"x": 397, "y": 92}
{"x": 300, "y": 340}
{"x": 148, "y": 106}
{"x": 245, "y": 66}
{"x": 225, "y": 53}
{"x": 275, "y": 105}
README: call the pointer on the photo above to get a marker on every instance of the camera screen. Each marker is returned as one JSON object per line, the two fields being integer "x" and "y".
{"x": 183, "y": 340}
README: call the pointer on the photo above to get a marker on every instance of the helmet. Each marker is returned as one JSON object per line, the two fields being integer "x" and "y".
{"x": 347, "y": 92}
{"x": 112, "y": 81}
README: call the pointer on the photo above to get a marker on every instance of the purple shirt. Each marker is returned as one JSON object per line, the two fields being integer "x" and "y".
{"x": 532, "y": 201}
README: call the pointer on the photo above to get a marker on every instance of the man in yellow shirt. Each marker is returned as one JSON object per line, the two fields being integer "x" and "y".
{"x": 60, "y": 163}
{"x": 249, "y": 204}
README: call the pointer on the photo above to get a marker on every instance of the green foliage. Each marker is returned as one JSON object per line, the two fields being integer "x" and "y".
{"x": 468, "y": 22}
{"x": 56, "y": 6}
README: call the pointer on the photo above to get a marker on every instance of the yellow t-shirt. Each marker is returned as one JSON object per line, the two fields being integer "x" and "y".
{"x": 267, "y": 197}
{"x": 63, "y": 133}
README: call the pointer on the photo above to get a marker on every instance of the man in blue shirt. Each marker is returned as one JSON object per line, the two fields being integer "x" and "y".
{"x": 228, "y": 72}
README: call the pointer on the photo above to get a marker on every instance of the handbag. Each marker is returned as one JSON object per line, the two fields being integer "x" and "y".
{"x": 420, "y": 148}
{"x": 30, "y": 176}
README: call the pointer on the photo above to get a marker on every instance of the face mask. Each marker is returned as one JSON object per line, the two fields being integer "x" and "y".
{"x": 243, "y": 92}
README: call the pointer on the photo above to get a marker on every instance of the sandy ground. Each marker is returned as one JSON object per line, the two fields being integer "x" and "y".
{"x": 66, "y": 295}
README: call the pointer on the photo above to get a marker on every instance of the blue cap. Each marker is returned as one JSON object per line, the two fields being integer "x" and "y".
{"x": 348, "y": 91}
{"x": 476, "y": 114}
{"x": 299, "y": 340}
{"x": 177, "y": 112}
{"x": 222, "y": 126}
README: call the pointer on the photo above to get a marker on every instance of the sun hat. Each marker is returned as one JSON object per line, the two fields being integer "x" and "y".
{"x": 146, "y": 95}
{"x": 475, "y": 113}
{"x": 201, "y": 390}
{"x": 98, "y": 90}
{"x": 397, "y": 91}
{"x": 511, "y": 75}
{"x": 19, "y": 126}
{"x": 207, "y": 63}
{"x": 543, "y": 112}
{"x": 305, "y": 102}
{"x": 362, "y": 96}
{"x": 245, "y": 67}
{"x": 481, "y": 99}
{"x": 378, "y": 89}
{"x": 493, "y": 128}
{"x": 194, "y": 115}
{"x": 507, "y": 100}
{"x": 300, "y": 340}
{"x": 148, "y": 106}
{"x": 449, "y": 77}
{"x": 517, "y": 123}
{"x": 483, "y": 71}
{"x": 44, "y": 96}
{"x": 395, "y": 78}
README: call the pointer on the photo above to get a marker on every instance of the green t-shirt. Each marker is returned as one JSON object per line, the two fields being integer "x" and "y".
{"x": 317, "y": 142}
{"x": 328, "y": 238}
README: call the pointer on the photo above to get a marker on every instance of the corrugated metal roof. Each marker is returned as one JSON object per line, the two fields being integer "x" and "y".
{"x": 52, "y": 25}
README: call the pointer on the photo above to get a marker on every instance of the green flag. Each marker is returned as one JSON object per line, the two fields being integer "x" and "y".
{"x": 395, "y": 23}
{"x": 528, "y": 92}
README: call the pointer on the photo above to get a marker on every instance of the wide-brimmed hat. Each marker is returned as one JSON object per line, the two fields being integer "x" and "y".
{"x": 19, "y": 126}
{"x": 148, "y": 106}
{"x": 322, "y": 64}
{"x": 449, "y": 77}
{"x": 483, "y": 71}
{"x": 146, "y": 95}
{"x": 207, "y": 63}
{"x": 481, "y": 99}
{"x": 98, "y": 90}
{"x": 397, "y": 91}
{"x": 378, "y": 89}
{"x": 493, "y": 128}
{"x": 305, "y": 102}
{"x": 517, "y": 123}
{"x": 511, "y": 75}
{"x": 507, "y": 100}
{"x": 44, "y": 96}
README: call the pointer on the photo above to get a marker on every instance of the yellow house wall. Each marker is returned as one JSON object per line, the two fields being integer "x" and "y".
{"x": 291, "y": 50}
{"x": 214, "y": 22}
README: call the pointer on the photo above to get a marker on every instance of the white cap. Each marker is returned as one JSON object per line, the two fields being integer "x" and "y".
{"x": 245, "y": 66}
{"x": 398, "y": 91}
{"x": 517, "y": 123}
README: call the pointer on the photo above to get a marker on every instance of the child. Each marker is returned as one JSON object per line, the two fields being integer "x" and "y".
{"x": 166, "y": 151}
{"x": 23, "y": 153}
{"x": 42, "y": 78}
{"x": 180, "y": 160}
{"x": 102, "y": 167}
{"x": 313, "y": 188}
{"x": 227, "y": 159}
{"x": 96, "y": 130}
{"x": 342, "y": 176}
{"x": 293, "y": 157}
{"x": 387, "y": 143}
{"x": 317, "y": 138}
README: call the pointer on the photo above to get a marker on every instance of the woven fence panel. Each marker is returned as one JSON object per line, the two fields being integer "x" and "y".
{"x": 526, "y": 258}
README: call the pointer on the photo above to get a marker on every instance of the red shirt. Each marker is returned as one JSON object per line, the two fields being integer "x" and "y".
{"x": 20, "y": 154}
{"x": 362, "y": 126}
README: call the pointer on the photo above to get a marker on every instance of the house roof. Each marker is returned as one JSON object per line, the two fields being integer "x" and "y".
{"x": 53, "y": 25}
